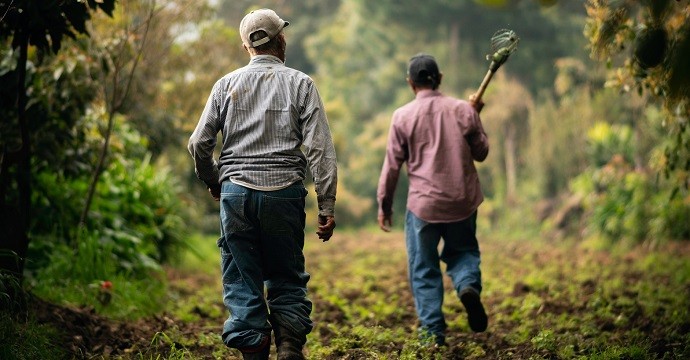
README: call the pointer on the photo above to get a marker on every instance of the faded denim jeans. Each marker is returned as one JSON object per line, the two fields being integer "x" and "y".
{"x": 261, "y": 246}
{"x": 461, "y": 254}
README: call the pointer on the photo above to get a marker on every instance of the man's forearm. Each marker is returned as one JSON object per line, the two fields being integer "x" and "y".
{"x": 207, "y": 171}
{"x": 325, "y": 196}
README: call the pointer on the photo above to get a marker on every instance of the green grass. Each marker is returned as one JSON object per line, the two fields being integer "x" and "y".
{"x": 201, "y": 256}
{"x": 545, "y": 300}
{"x": 78, "y": 278}
{"x": 26, "y": 340}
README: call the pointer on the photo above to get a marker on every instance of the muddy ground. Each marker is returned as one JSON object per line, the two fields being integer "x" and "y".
{"x": 88, "y": 335}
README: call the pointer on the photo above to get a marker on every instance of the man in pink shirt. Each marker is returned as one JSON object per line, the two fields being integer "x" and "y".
{"x": 439, "y": 137}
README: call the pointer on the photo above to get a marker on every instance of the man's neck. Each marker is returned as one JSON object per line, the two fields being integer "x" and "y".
{"x": 281, "y": 58}
{"x": 417, "y": 89}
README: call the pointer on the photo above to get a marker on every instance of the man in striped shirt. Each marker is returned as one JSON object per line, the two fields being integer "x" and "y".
{"x": 273, "y": 126}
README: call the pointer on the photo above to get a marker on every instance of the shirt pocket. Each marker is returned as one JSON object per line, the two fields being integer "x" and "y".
{"x": 277, "y": 122}
{"x": 260, "y": 115}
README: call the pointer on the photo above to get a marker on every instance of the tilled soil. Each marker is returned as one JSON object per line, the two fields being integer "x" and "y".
{"x": 87, "y": 335}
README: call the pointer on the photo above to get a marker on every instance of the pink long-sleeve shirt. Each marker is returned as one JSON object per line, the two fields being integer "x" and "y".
{"x": 439, "y": 137}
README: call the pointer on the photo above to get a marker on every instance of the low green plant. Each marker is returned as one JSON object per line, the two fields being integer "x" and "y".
{"x": 136, "y": 211}
{"x": 12, "y": 296}
{"x": 112, "y": 262}
{"x": 631, "y": 352}
{"x": 174, "y": 351}
{"x": 545, "y": 340}
{"x": 139, "y": 211}
{"x": 91, "y": 276}
{"x": 22, "y": 339}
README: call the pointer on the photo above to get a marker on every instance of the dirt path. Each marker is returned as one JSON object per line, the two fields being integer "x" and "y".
{"x": 87, "y": 334}
{"x": 544, "y": 301}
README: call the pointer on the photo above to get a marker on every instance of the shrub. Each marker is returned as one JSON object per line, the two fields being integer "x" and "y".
{"x": 136, "y": 211}
{"x": 624, "y": 203}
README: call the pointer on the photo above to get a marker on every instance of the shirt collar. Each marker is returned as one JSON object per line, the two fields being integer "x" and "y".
{"x": 264, "y": 59}
{"x": 425, "y": 93}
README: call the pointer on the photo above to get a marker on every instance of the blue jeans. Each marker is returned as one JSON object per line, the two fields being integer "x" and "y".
{"x": 261, "y": 245}
{"x": 460, "y": 253}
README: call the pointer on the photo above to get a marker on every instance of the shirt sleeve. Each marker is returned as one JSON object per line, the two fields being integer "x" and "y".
{"x": 203, "y": 140}
{"x": 477, "y": 139}
{"x": 396, "y": 155}
{"x": 320, "y": 151}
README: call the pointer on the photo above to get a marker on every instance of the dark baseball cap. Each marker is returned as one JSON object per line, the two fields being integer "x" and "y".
{"x": 423, "y": 70}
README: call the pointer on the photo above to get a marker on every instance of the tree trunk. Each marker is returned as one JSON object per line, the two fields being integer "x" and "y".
{"x": 511, "y": 161}
{"x": 454, "y": 50}
{"x": 638, "y": 158}
{"x": 4, "y": 182}
{"x": 15, "y": 216}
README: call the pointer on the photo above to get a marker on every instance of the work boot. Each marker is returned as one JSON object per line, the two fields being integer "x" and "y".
{"x": 260, "y": 352}
{"x": 476, "y": 316}
{"x": 288, "y": 344}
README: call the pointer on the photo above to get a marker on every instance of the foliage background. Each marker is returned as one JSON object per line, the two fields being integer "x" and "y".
{"x": 588, "y": 141}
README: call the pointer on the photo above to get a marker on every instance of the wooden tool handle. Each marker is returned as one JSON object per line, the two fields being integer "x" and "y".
{"x": 482, "y": 87}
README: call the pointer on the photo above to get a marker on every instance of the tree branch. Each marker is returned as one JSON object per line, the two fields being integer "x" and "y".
{"x": 115, "y": 105}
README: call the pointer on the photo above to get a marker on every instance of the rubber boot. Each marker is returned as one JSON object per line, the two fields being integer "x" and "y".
{"x": 289, "y": 345}
{"x": 260, "y": 352}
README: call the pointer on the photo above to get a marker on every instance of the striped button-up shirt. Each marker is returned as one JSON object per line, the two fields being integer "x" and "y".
{"x": 439, "y": 138}
{"x": 273, "y": 124}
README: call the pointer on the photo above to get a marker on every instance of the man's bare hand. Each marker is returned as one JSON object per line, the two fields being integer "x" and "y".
{"x": 476, "y": 104}
{"x": 385, "y": 222}
{"x": 326, "y": 226}
{"x": 215, "y": 192}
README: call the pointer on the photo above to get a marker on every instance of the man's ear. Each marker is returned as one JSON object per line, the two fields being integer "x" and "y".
{"x": 410, "y": 82}
{"x": 440, "y": 78}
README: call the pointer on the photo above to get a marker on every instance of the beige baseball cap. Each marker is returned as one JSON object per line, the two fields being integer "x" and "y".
{"x": 262, "y": 19}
